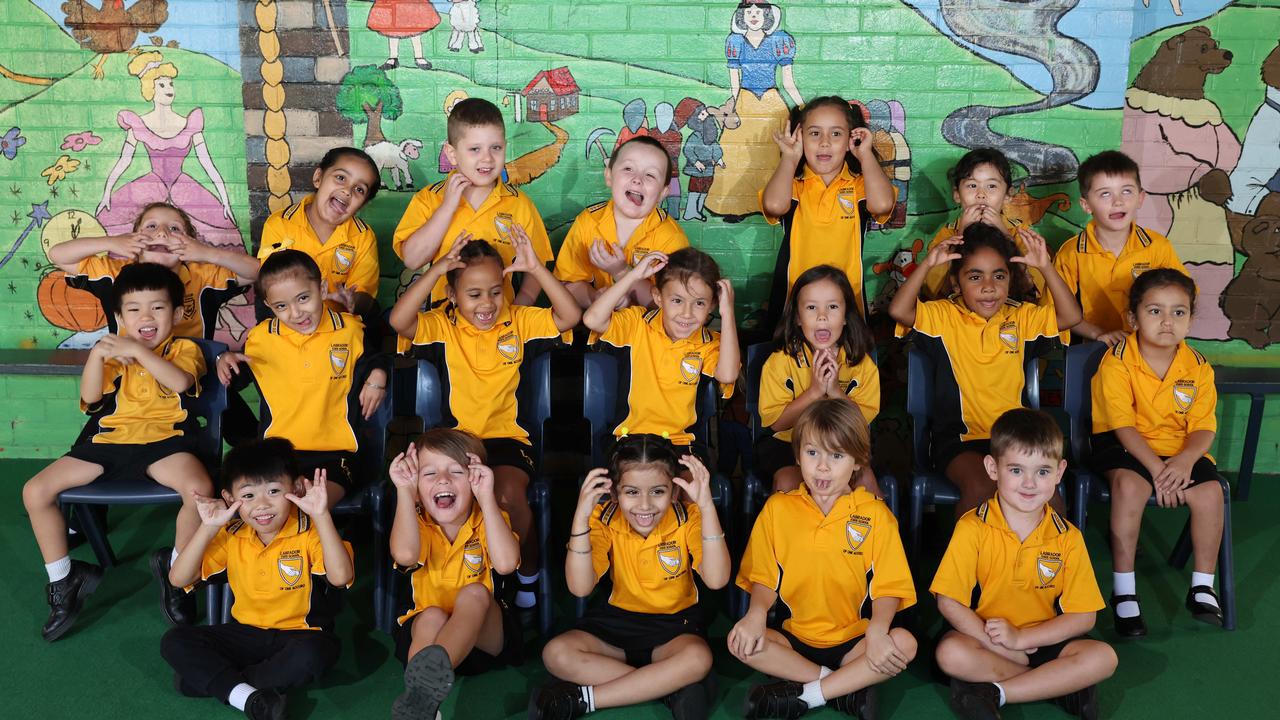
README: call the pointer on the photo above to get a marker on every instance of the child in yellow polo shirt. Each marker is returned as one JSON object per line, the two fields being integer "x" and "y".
{"x": 162, "y": 234}
{"x": 479, "y": 342}
{"x": 979, "y": 340}
{"x": 324, "y": 225}
{"x": 1024, "y": 636}
{"x": 1154, "y": 401}
{"x": 827, "y": 167}
{"x": 472, "y": 202}
{"x": 649, "y": 641}
{"x": 824, "y": 351}
{"x": 311, "y": 368}
{"x": 833, "y": 555}
{"x": 1100, "y": 264}
{"x": 447, "y": 533}
{"x": 609, "y": 238}
{"x": 137, "y": 388}
{"x": 281, "y": 541}
{"x": 980, "y": 184}
{"x": 665, "y": 351}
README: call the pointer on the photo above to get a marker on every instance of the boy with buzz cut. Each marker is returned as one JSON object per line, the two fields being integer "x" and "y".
{"x": 1100, "y": 264}
{"x": 282, "y": 537}
{"x": 472, "y": 202}
{"x": 1017, "y": 589}
{"x": 137, "y": 388}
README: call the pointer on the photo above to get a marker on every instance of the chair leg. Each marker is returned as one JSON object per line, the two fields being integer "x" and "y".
{"x": 212, "y": 599}
{"x": 542, "y": 506}
{"x": 95, "y": 534}
{"x": 227, "y": 601}
{"x": 381, "y": 560}
{"x": 1227, "y": 564}
{"x": 914, "y": 527}
{"x": 889, "y": 488}
{"x": 1080, "y": 503}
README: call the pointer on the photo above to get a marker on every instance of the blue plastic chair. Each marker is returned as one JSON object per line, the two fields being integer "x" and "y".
{"x": 142, "y": 490}
{"x": 1082, "y": 362}
{"x": 929, "y": 484}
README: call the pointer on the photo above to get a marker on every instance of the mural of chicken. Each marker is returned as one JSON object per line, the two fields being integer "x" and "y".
{"x": 112, "y": 28}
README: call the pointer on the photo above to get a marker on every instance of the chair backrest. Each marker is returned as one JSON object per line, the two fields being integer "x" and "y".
{"x": 428, "y": 400}
{"x": 209, "y": 404}
{"x": 371, "y": 436}
{"x": 1077, "y": 396}
{"x": 920, "y": 374}
{"x": 756, "y": 356}
{"x": 599, "y": 401}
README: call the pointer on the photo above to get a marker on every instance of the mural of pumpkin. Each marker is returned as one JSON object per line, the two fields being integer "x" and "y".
{"x": 67, "y": 307}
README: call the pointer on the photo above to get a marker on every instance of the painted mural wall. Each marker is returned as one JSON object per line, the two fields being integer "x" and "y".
{"x": 224, "y": 106}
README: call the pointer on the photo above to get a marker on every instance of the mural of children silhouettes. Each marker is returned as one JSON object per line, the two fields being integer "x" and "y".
{"x": 666, "y": 132}
{"x": 464, "y": 17}
{"x": 398, "y": 19}
{"x": 702, "y": 154}
{"x": 755, "y": 51}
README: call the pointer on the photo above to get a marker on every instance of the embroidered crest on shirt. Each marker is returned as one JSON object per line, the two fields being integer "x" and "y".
{"x": 289, "y": 564}
{"x": 473, "y": 556}
{"x": 1009, "y": 335}
{"x": 1184, "y": 395}
{"x": 509, "y": 346}
{"x": 690, "y": 368}
{"x": 848, "y": 200}
{"x": 503, "y": 222}
{"x": 1139, "y": 268}
{"x": 343, "y": 258}
{"x": 338, "y": 356}
{"x": 856, "y": 531}
{"x": 1048, "y": 565}
{"x": 669, "y": 558}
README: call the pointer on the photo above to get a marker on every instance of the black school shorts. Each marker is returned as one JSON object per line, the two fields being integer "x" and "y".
{"x": 130, "y": 459}
{"x": 337, "y": 464}
{"x": 828, "y": 657}
{"x": 477, "y": 662}
{"x": 509, "y": 452}
{"x": 1109, "y": 454}
{"x": 637, "y": 634}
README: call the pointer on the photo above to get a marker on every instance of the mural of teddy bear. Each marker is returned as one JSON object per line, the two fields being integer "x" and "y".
{"x": 1252, "y": 300}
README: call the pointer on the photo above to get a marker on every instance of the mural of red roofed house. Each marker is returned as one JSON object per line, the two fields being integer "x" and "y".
{"x": 551, "y": 95}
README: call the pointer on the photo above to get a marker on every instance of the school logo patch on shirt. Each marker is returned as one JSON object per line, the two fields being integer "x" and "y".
{"x": 848, "y": 200}
{"x": 637, "y": 253}
{"x": 1184, "y": 395}
{"x": 1048, "y": 565}
{"x": 509, "y": 346}
{"x": 188, "y": 306}
{"x": 473, "y": 556}
{"x": 690, "y": 368}
{"x": 1009, "y": 335}
{"x": 343, "y": 258}
{"x": 669, "y": 559}
{"x": 338, "y": 356}
{"x": 503, "y": 222}
{"x": 290, "y": 568}
{"x": 1139, "y": 268}
{"x": 856, "y": 532}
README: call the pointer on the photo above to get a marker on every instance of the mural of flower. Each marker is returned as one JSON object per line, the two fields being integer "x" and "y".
{"x": 11, "y": 141}
{"x": 76, "y": 142}
{"x": 60, "y": 169}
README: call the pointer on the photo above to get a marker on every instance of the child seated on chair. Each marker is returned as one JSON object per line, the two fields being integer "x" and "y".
{"x": 1154, "y": 400}
{"x": 137, "y": 388}
{"x": 1016, "y": 586}
{"x": 480, "y": 342}
{"x": 447, "y": 534}
{"x": 831, "y": 552}
{"x": 282, "y": 537}
{"x": 314, "y": 374}
{"x": 649, "y": 641}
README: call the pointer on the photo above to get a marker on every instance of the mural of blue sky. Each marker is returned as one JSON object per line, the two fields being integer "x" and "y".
{"x": 197, "y": 25}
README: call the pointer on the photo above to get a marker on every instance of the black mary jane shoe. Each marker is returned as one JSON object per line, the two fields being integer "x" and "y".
{"x": 1204, "y": 612}
{"x": 1130, "y": 627}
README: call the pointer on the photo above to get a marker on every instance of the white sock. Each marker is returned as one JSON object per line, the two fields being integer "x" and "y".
{"x": 823, "y": 671}
{"x": 589, "y": 697}
{"x": 173, "y": 557}
{"x": 812, "y": 694}
{"x": 526, "y": 599}
{"x": 240, "y": 695}
{"x": 58, "y": 569}
{"x": 1206, "y": 579}
{"x": 1001, "y": 689}
{"x": 528, "y": 579}
{"x": 1125, "y": 583}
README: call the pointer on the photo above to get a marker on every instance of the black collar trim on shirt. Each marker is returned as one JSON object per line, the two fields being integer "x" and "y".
{"x": 608, "y": 511}
{"x": 1143, "y": 236}
{"x": 682, "y": 513}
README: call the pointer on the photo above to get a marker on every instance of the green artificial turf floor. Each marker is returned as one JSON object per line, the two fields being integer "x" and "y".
{"x": 109, "y": 666}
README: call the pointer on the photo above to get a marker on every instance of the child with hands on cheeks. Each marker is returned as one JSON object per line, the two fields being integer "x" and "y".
{"x": 649, "y": 641}
{"x": 480, "y": 341}
{"x": 833, "y": 555}
{"x": 311, "y": 369}
{"x": 448, "y": 533}
{"x": 282, "y": 538}
{"x": 162, "y": 234}
{"x": 670, "y": 347}
{"x": 979, "y": 339}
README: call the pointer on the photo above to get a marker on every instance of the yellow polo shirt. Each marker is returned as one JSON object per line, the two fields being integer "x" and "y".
{"x": 205, "y": 289}
{"x": 1164, "y": 410}
{"x": 492, "y": 222}
{"x": 785, "y": 378}
{"x": 650, "y": 574}
{"x": 444, "y": 566}
{"x": 658, "y": 232}
{"x": 274, "y": 584}
{"x": 135, "y": 408}
{"x": 1025, "y": 582}
{"x": 349, "y": 257}
{"x": 827, "y": 568}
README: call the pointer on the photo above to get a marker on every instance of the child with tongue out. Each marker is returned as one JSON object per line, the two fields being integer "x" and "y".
{"x": 448, "y": 533}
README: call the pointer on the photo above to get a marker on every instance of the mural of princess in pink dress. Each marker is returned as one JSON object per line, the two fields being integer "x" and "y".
{"x": 168, "y": 139}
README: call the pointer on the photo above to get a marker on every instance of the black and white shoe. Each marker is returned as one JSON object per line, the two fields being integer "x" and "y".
{"x": 1210, "y": 613}
{"x": 975, "y": 701}
{"x": 1128, "y": 627}
{"x": 775, "y": 700}
{"x": 66, "y": 598}
{"x": 693, "y": 702}
{"x": 863, "y": 704}
{"x": 428, "y": 678}
{"x": 557, "y": 700}
{"x": 178, "y": 605}
{"x": 266, "y": 705}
